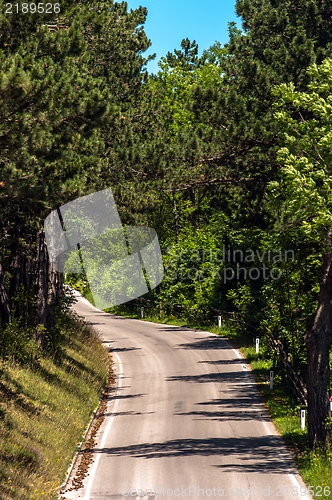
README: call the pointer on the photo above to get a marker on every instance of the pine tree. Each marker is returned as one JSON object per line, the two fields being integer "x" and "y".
{"x": 60, "y": 94}
{"x": 187, "y": 57}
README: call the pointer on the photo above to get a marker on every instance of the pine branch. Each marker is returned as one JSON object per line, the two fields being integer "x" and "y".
{"x": 211, "y": 182}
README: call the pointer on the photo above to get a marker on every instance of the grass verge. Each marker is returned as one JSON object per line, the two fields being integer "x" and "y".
{"x": 44, "y": 411}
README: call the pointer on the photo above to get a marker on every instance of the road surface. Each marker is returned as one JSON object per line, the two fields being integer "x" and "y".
{"x": 186, "y": 420}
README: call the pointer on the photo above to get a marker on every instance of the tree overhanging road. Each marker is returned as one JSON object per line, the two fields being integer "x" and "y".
{"x": 186, "y": 420}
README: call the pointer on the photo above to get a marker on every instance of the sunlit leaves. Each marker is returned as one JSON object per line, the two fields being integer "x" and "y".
{"x": 306, "y": 159}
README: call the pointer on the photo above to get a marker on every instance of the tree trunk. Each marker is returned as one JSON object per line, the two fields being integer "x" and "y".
{"x": 59, "y": 288}
{"x": 318, "y": 342}
{"x": 55, "y": 294}
{"x": 176, "y": 218}
{"x": 42, "y": 289}
{"x": 4, "y": 304}
{"x": 15, "y": 282}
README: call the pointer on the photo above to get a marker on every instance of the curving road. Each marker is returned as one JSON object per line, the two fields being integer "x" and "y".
{"x": 186, "y": 420}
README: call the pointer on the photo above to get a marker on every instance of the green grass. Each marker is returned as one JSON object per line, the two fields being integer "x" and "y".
{"x": 44, "y": 412}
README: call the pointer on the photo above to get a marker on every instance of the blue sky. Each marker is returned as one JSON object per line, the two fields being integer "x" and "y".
{"x": 169, "y": 21}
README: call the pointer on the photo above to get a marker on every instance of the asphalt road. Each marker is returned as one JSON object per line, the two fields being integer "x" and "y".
{"x": 186, "y": 420}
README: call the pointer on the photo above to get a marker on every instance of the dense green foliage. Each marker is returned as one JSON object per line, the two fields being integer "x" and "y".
{"x": 226, "y": 154}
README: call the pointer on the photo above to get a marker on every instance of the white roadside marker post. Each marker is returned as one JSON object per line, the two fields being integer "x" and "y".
{"x": 257, "y": 346}
{"x": 142, "y": 312}
{"x": 271, "y": 379}
{"x": 302, "y": 419}
{"x": 219, "y": 321}
{"x": 331, "y": 404}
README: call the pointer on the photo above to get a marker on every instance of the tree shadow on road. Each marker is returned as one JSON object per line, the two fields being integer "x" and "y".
{"x": 207, "y": 343}
{"x": 265, "y": 454}
{"x": 226, "y": 362}
{"x": 232, "y": 377}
